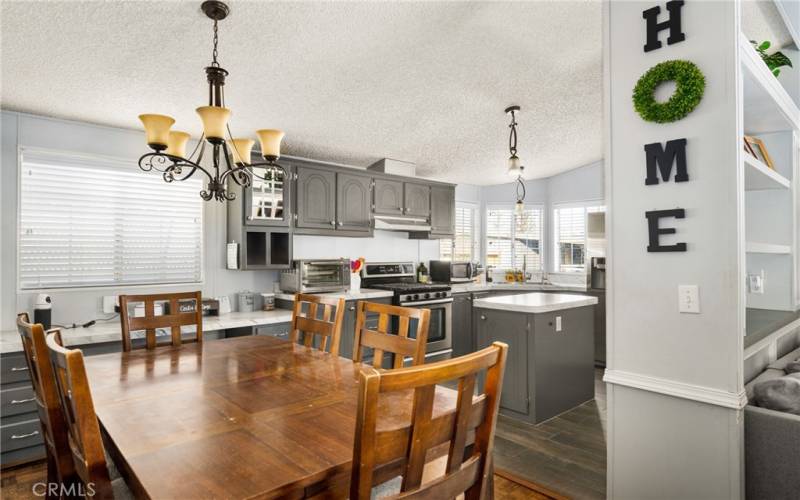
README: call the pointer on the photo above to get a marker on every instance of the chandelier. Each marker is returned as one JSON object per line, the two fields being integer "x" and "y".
{"x": 515, "y": 168}
{"x": 230, "y": 159}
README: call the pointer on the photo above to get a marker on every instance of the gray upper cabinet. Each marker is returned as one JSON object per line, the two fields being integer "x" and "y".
{"x": 388, "y": 197}
{"x": 316, "y": 198}
{"x": 443, "y": 217}
{"x": 417, "y": 199}
{"x": 267, "y": 201}
{"x": 353, "y": 202}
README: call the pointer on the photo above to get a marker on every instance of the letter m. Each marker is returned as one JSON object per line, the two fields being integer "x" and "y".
{"x": 660, "y": 159}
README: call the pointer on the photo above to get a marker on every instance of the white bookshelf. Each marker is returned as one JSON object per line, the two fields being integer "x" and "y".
{"x": 767, "y": 248}
{"x": 759, "y": 177}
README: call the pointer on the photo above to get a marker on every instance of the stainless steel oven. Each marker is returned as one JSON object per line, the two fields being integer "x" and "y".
{"x": 440, "y": 328}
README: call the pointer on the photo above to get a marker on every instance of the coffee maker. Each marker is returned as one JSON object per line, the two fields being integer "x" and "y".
{"x": 598, "y": 270}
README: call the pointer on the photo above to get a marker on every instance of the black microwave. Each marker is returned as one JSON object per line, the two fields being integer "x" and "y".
{"x": 444, "y": 271}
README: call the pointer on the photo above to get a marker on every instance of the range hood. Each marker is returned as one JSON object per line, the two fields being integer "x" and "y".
{"x": 401, "y": 223}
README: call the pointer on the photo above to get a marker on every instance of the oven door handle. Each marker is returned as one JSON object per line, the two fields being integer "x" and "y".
{"x": 427, "y": 302}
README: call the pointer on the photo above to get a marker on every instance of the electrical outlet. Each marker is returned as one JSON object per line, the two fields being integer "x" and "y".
{"x": 755, "y": 283}
{"x": 558, "y": 323}
{"x": 110, "y": 302}
{"x": 689, "y": 299}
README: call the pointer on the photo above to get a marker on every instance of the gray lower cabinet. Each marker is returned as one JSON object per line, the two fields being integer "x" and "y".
{"x": 388, "y": 197}
{"x": 463, "y": 340}
{"x": 278, "y": 330}
{"x": 353, "y": 202}
{"x": 316, "y": 198}
{"x": 346, "y": 345}
{"x": 417, "y": 199}
{"x": 443, "y": 204}
{"x": 547, "y": 371}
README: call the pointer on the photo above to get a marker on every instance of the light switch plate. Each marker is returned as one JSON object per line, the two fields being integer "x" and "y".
{"x": 558, "y": 323}
{"x": 109, "y": 302}
{"x": 689, "y": 299}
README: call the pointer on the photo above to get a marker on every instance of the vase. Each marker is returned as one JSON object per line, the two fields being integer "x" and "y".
{"x": 355, "y": 282}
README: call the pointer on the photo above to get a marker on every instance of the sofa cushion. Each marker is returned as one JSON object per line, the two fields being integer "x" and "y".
{"x": 780, "y": 394}
{"x": 768, "y": 374}
{"x": 793, "y": 367}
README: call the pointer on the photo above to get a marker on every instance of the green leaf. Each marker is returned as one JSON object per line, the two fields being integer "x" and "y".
{"x": 764, "y": 45}
{"x": 776, "y": 72}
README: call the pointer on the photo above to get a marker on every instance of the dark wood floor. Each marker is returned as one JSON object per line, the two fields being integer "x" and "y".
{"x": 566, "y": 454}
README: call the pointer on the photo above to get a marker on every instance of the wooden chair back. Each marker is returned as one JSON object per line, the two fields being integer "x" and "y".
{"x": 318, "y": 315}
{"x": 59, "y": 459}
{"x": 85, "y": 442}
{"x": 380, "y": 455}
{"x": 383, "y": 341}
{"x": 149, "y": 321}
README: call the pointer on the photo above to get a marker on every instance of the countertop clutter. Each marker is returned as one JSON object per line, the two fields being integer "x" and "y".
{"x": 111, "y": 332}
{"x": 363, "y": 294}
{"x": 535, "y": 303}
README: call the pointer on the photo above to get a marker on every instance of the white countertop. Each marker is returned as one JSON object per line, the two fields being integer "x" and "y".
{"x": 363, "y": 294}
{"x": 503, "y": 286}
{"x": 111, "y": 331}
{"x": 534, "y": 303}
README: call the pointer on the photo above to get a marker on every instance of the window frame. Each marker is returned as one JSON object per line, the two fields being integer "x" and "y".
{"x": 585, "y": 205}
{"x": 542, "y": 233}
{"x": 114, "y": 162}
{"x": 476, "y": 230}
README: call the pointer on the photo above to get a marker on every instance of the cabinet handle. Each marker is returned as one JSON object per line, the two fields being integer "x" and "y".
{"x": 339, "y": 223}
{"x": 333, "y": 223}
{"x": 352, "y": 308}
{"x": 19, "y": 369}
{"x": 483, "y": 317}
{"x": 23, "y": 436}
{"x": 249, "y": 217}
{"x": 22, "y": 401}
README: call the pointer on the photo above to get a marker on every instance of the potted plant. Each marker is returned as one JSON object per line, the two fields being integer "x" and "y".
{"x": 774, "y": 61}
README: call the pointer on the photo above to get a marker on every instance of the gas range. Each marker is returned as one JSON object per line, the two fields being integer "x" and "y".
{"x": 398, "y": 277}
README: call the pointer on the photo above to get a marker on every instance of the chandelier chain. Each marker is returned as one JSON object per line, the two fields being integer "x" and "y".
{"x": 214, "y": 53}
{"x": 512, "y": 137}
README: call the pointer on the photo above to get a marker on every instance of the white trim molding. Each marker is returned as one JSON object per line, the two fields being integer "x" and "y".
{"x": 708, "y": 395}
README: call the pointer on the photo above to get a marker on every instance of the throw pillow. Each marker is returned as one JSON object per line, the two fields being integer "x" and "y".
{"x": 793, "y": 366}
{"x": 780, "y": 394}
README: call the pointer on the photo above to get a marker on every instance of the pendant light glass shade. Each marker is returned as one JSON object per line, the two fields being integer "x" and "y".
{"x": 176, "y": 144}
{"x": 215, "y": 120}
{"x": 270, "y": 142}
{"x": 156, "y": 129}
{"x": 519, "y": 208}
{"x": 241, "y": 150}
{"x": 514, "y": 166}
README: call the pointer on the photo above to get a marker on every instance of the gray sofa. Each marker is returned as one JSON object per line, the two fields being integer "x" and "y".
{"x": 772, "y": 444}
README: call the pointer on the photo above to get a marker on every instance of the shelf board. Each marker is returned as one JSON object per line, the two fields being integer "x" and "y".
{"x": 758, "y": 176}
{"x": 767, "y": 106}
{"x": 755, "y": 247}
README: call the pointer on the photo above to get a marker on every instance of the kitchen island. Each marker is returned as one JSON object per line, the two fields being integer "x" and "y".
{"x": 550, "y": 366}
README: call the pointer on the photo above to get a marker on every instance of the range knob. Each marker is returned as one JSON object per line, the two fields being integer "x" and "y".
{"x": 427, "y": 295}
{"x": 416, "y": 296}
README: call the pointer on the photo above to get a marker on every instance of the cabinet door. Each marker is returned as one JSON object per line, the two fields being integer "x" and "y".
{"x": 417, "y": 199}
{"x": 511, "y": 328}
{"x": 353, "y": 200}
{"x": 267, "y": 201}
{"x": 443, "y": 210}
{"x": 388, "y": 197}
{"x": 462, "y": 325}
{"x": 316, "y": 198}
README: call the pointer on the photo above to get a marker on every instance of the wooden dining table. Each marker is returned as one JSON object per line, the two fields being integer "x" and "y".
{"x": 235, "y": 418}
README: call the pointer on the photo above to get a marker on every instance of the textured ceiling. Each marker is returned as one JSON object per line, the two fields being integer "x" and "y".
{"x": 348, "y": 82}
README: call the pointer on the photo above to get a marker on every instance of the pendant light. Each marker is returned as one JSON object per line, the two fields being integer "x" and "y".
{"x": 515, "y": 167}
{"x": 230, "y": 158}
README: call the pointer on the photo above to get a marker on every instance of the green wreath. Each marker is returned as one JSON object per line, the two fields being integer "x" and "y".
{"x": 690, "y": 84}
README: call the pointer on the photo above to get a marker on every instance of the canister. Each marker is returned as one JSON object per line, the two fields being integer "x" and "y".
{"x": 246, "y": 300}
{"x": 267, "y": 301}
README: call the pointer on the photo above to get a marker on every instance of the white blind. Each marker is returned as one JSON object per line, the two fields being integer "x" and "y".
{"x": 570, "y": 236}
{"x": 94, "y": 222}
{"x": 461, "y": 247}
{"x": 511, "y": 240}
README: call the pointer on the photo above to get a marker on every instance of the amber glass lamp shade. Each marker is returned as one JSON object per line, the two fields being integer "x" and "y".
{"x": 156, "y": 128}
{"x": 241, "y": 149}
{"x": 176, "y": 144}
{"x": 270, "y": 142}
{"x": 215, "y": 120}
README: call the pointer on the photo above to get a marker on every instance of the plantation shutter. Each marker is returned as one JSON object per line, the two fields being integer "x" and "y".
{"x": 570, "y": 231}
{"x": 528, "y": 240}
{"x": 89, "y": 221}
{"x": 499, "y": 228}
{"x": 460, "y": 248}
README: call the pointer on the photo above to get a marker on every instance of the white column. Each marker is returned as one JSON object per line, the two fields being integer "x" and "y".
{"x": 675, "y": 388}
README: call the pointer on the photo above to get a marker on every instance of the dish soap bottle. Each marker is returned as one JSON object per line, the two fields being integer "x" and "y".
{"x": 422, "y": 273}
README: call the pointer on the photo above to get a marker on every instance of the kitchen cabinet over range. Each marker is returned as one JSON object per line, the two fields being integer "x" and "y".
{"x": 323, "y": 199}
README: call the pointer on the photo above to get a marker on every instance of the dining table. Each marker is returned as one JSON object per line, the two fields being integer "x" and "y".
{"x": 244, "y": 417}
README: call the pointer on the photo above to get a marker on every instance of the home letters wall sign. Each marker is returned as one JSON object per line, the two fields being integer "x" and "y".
{"x": 659, "y": 159}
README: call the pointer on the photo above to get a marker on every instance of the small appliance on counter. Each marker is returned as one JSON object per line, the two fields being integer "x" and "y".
{"x": 444, "y": 271}
{"x": 319, "y": 275}
{"x": 210, "y": 307}
{"x": 43, "y": 310}
{"x": 598, "y": 273}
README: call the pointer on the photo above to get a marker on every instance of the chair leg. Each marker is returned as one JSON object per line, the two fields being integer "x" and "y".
{"x": 53, "y": 492}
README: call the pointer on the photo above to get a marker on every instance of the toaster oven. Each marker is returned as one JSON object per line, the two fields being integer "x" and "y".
{"x": 320, "y": 275}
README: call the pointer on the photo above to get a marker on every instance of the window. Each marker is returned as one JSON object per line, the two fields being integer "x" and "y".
{"x": 87, "y": 221}
{"x": 570, "y": 237}
{"x": 461, "y": 249}
{"x": 513, "y": 241}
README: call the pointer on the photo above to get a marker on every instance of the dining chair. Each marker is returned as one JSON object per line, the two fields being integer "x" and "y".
{"x": 85, "y": 443}
{"x": 172, "y": 317}
{"x": 60, "y": 469}
{"x": 381, "y": 340}
{"x": 382, "y": 452}
{"x": 318, "y": 315}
